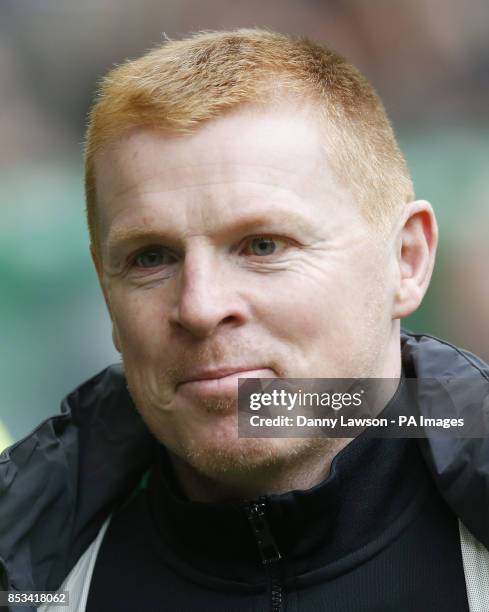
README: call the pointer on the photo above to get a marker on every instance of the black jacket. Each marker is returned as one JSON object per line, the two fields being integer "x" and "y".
{"x": 59, "y": 484}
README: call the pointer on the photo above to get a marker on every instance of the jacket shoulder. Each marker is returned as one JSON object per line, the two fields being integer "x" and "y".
{"x": 59, "y": 483}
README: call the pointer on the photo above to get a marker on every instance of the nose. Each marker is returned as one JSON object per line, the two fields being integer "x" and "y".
{"x": 207, "y": 294}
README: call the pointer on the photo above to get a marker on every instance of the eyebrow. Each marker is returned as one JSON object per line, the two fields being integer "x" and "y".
{"x": 122, "y": 237}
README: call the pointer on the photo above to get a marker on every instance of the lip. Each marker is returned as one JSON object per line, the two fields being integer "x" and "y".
{"x": 221, "y": 381}
{"x": 222, "y": 372}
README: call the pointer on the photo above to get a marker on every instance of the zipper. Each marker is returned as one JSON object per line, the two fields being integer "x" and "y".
{"x": 269, "y": 552}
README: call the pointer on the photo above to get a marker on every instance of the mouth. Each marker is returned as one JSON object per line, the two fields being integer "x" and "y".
{"x": 223, "y": 382}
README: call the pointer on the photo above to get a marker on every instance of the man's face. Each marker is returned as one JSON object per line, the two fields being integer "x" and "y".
{"x": 234, "y": 248}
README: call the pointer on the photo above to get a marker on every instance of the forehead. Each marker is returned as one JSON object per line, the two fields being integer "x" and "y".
{"x": 244, "y": 153}
{"x": 245, "y": 136}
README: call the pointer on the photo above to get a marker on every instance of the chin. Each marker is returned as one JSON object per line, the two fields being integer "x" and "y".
{"x": 242, "y": 455}
{"x": 221, "y": 455}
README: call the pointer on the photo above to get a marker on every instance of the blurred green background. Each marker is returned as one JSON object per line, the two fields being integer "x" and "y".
{"x": 429, "y": 60}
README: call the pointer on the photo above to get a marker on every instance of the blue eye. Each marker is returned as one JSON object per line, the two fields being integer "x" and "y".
{"x": 263, "y": 246}
{"x": 150, "y": 259}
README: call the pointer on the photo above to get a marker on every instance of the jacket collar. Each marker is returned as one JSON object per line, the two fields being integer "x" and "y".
{"x": 58, "y": 485}
{"x": 319, "y": 532}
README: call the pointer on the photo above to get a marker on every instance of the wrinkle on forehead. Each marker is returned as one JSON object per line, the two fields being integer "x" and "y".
{"x": 188, "y": 178}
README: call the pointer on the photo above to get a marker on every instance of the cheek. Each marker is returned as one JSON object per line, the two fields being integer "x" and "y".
{"x": 292, "y": 310}
{"x": 139, "y": 319}
{"x": 308, "y": 312}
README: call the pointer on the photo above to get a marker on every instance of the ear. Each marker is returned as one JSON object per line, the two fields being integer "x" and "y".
{"x": 416, "y": 249}
{"x": 100, "y": 273}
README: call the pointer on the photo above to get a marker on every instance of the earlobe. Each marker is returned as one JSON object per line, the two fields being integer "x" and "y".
{"x": 418, "y": 240}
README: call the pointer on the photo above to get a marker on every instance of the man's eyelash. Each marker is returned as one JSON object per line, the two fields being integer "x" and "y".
{"x": 151, "y": 249}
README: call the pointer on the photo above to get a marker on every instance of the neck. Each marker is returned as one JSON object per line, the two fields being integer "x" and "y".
{"x": 299, "y": 474}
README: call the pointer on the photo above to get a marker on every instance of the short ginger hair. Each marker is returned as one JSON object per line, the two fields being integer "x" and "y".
{"x": 180, "y": 84}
